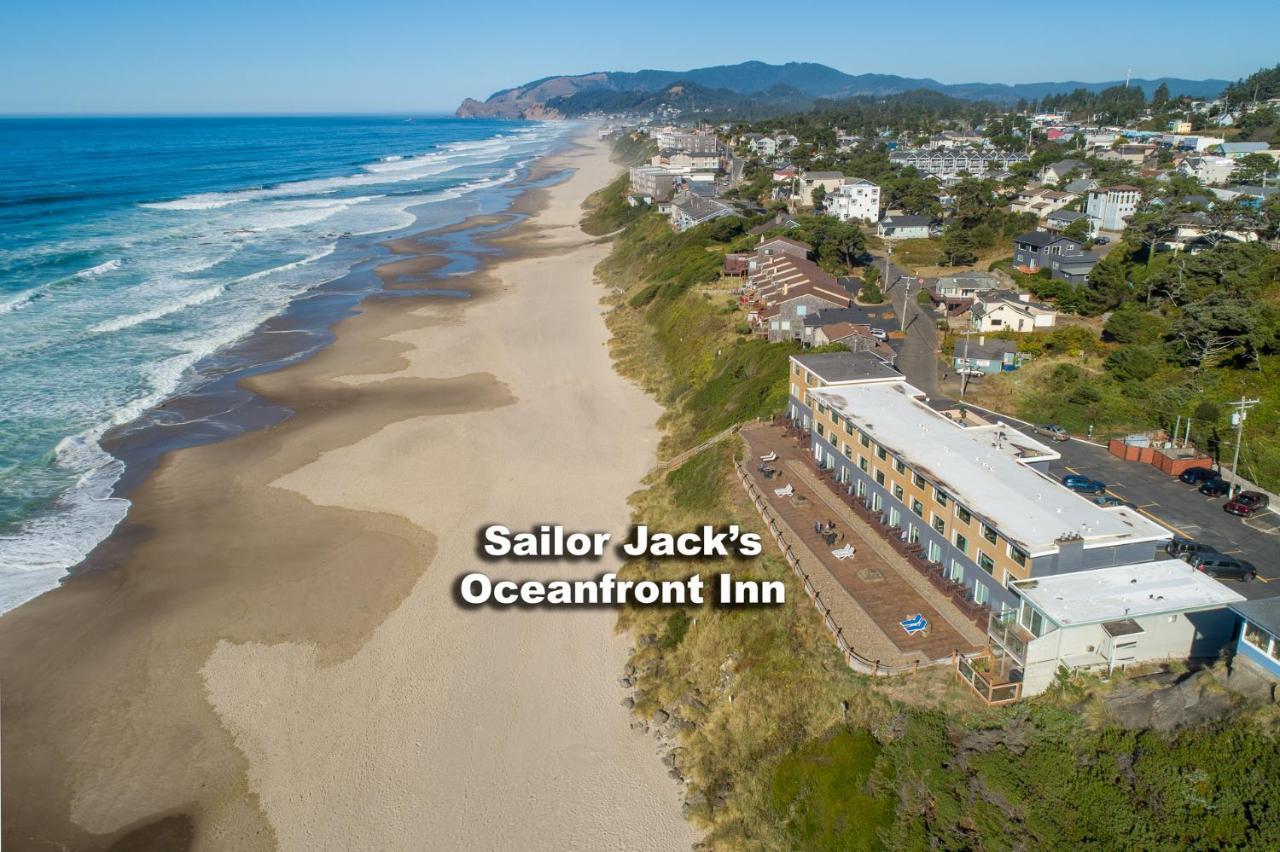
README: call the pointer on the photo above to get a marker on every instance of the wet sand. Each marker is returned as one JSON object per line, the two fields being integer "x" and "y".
{"x": 272, "y": 656}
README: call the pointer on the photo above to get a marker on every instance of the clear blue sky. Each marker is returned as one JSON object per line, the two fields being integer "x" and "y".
{"x": 132, "y": 56}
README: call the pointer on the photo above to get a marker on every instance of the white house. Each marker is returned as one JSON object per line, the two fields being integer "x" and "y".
{"x": 856, "y": 200}
{"x": 1005, "y": 311}
{"x": 1110, "y": 618}
{"x": 1208, "y": 169}
{"x": 904, "y": 227}
{"x": 809, "y": 181}
{"x": 688, "y": 210}
{"x": 1109, "y": 209}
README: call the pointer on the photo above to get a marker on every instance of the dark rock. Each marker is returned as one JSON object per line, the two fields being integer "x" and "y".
{"x": 661, "y": 717}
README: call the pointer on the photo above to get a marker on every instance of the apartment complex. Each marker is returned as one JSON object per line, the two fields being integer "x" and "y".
{"x": 975, "y": 495}
{"x": 950, "y": 163}
{"x": 653, "y": 182}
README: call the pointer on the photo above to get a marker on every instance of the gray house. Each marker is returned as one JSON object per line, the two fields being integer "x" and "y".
{"x": 1065, "y": 258}
{"x": 905, "y": 227}
{"x": 988, "y": 355}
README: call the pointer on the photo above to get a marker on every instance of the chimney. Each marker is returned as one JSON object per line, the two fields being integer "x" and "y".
{"x": 1024, "y": 297}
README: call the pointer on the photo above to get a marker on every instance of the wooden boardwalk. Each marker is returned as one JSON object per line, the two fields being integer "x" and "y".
{"x": 877, "y": 587}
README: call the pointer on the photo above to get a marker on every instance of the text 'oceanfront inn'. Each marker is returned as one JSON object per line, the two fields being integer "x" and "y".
{"x": 974, "y": 494}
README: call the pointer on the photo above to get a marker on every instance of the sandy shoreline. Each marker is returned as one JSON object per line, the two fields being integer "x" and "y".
{"x": 278, "y": 661}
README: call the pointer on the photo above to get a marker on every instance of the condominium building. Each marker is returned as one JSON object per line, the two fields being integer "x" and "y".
{"x": 654, "y": 182}
{"x": 974, "y": 494}
{"x": 949, "y": 163}
{"x": 856, "y": 200}
{"x": 1109, "y": 208}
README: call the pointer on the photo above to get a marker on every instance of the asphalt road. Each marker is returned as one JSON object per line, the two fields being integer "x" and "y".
{"x": 1180, "y": 507}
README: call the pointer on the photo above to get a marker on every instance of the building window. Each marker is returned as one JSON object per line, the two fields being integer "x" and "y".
{"x": 986, "y": 563}
{"x": 820, "y": 430}
{"x": 866, "y": 442}
{"x": 848, "y": 427}
{"x": 939, "y": 525}
{"x": 957, "y": 571}
{"x": 1017, "y": 556}
{"x": 862, "y": 463}
{"x": 848, "y": 451}
{"x": 796, "y": 369}
{"x": 988, "y": 533}
{"x": 917, "y": 507}
{"x": 1257, "y": 637}
{"x": 822, "y": 409}
{"x": 897, "y": 491}
{"x": 899, "y": 465}
{"x": 962, "y": 543}
{"x": 962, "y": 514}
{"x": 918, "y": 480}
{"x": 940, "y": 496}
{"x": 880, "y": 477}
{"x": 980, "y": 593}
{"x": 881, "y": 453}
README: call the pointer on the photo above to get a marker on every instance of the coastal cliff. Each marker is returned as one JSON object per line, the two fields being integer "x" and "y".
{"x": 530, "y": 100}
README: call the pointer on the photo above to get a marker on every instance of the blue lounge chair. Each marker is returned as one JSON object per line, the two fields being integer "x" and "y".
{"x": 915, "y": 624}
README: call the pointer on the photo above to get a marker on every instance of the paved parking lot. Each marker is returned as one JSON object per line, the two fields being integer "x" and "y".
{"x": 1180, "y": 507}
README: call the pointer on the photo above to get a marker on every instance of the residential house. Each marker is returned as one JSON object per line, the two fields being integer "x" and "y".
{"x": 977, "y": 353}
{"x": 1065, "y": 258}
{"x": 746, "y": 263}
{"x": 1134, "y": 155}
{"x": 781, "y": 219}
{"x": 692, "y": 164}
{"x": 974, "y": 494}
{"x": 855, "y": 200}
{"x": 809, "y": 181}
{"x": 1003, "y": 310}
{"x": 1236, "y": 150}
{"x": 1109, "y": 209}
{"x": 1110, "y": 618}
{"x": 1058, "y": 171}
{"x": 683, "y": 139}
{"x": 689, "y": 210}
{"x": 1040, "y": 202}
{"x": 763, "y": 146}
{"x": 1080, "y": 186}
{"x": 856, "y": 337}
{"x": 1180, "y": 126}
{"x": 1208, "y": 169}
{"x": 1060, "y": 220}
{"x": 905, "y": 227}
{"x": 1258, "y": 640}
{"x": 965, "y": 285}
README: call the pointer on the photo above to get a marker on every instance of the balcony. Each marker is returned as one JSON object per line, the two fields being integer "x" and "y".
{"x": 1005, "y": 632}
{"x": 990, "y": 678}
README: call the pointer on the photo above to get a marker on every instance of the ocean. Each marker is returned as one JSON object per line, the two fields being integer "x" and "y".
{"x": 134, "y": 250}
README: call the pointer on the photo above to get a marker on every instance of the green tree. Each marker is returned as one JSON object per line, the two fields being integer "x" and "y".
{"x": 1161, "y": 96}
{"x": 1133, "y": 363}
{"x": 870, "y": 292}
{"x": 1131, "y": 324}
{"x": 958, "y": 245}
{"x": 1077, "y": 230}
{"x": 1252, "y": 168}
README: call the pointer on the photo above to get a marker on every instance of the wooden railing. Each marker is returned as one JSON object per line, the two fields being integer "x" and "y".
{"x": 855, "y": 660}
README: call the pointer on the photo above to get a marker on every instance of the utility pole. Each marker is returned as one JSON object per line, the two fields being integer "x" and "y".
{"x": 1238, "y": 417}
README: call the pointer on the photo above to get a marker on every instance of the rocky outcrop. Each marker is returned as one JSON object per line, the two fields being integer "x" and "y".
{"x": 529, "y": 101}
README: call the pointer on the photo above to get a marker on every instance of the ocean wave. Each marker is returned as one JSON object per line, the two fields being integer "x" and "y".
{"x": 312, "y": 258}
{"x": 35, "y": 294}
{"x": 120, "y": 323}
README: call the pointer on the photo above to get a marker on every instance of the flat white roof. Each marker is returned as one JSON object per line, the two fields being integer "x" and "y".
{"x": 1125, "y": 591}
{"x": 985, "y": 468}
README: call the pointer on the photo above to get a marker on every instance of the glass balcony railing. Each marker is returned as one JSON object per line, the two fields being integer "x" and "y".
{"x": 1004, "y": 630}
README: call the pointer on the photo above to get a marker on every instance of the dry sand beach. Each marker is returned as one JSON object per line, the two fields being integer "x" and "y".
{"x": 275, "y": 658}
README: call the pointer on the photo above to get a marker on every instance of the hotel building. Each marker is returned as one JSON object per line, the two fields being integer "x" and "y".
{"x": 974, "y": 494}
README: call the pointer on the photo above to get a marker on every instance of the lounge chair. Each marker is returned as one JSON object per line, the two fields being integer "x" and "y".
{"x": 844, "y": 552}
{"x": 915, "y": 624}
{"x": 785, "y": 491}
{"x": 772, "y": 456}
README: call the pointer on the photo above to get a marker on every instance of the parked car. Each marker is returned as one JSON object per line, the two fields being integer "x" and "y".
{"x": 1083, "y": 484}
{"x": 879, "y": 334}
{"x": 1196, "y": 475}
{"x": 1188, "y": 549}
{"x": 1101, "y": 240}
{"x": 1052, "y": 431}
{"x": 1215, "y": 487}
{"x": 1222, "y": 565}
{"x": 1108, "y": 501}
{"x": 1246, "y": 503}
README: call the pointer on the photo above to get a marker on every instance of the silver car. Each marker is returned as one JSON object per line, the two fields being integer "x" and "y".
{"x": 1052, "y": 431}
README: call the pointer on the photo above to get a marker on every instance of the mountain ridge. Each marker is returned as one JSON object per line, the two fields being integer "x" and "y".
{"x": 812, "y": 80}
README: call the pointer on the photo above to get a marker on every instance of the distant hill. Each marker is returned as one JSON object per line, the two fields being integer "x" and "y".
{"x": 794, "y": 84}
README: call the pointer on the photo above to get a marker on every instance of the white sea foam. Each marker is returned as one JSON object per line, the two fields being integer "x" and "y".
{"x": 130, "y": 320}
{"x": 26, "y": 297}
